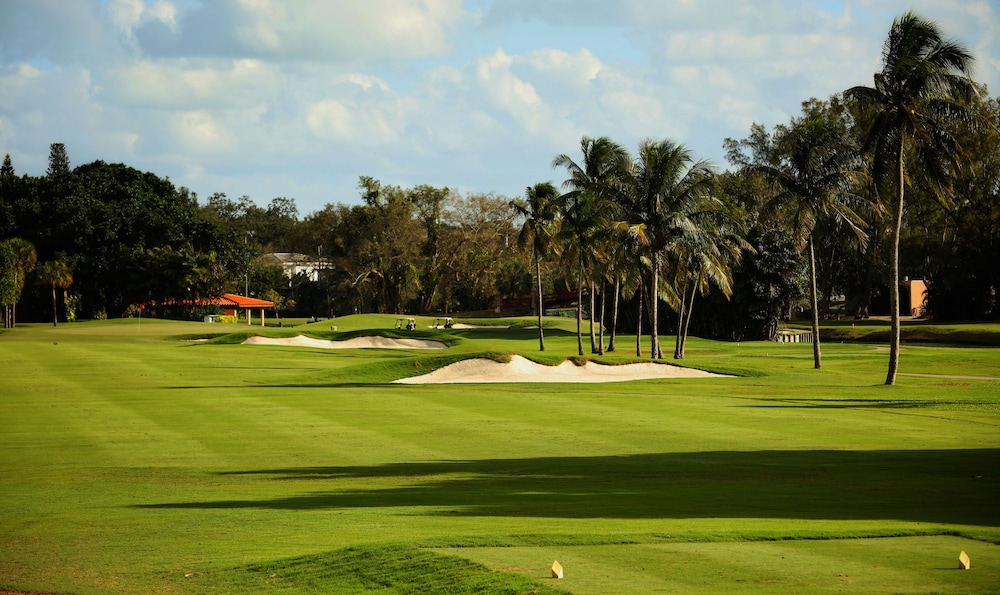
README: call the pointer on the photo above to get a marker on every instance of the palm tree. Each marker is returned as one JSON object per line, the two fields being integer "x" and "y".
{"x": 539, "y": 211}
{"x": 924, "y": 82}
{"x": 706, "y": 259}
{"x": 812, "y": 171}
{"x": 25, "y": 258}
{"x": 57, "y": 274}
{"x": 586, "y": 211}
{"x": 667, "y": 187}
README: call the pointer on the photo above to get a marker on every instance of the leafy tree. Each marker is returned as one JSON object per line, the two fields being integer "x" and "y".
{"x": 9, "y": 188}
{"x": 9, "y": 292}
{"x": 388, "y": 243}
{"x": 767, "y": 281}
{"x": 482, "y": 240}
{"x": 960, "y": 245}
{"x": 430, "y": 203}
{"x": 923, "y": 83}
{"x": 539, "y": 210}
{"x": 25, "y": 258}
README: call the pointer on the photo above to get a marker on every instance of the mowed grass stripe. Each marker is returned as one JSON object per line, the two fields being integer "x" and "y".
{"x": 908, "y": 564}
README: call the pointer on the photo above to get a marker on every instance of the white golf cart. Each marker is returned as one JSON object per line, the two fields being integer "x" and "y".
{"x": 407, "y": 323}
{"x": 445, "y": 322}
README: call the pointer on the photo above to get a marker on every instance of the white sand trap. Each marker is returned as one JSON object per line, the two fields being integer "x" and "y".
{"x": 521, "y": 369}
{"x": 355, "y": 343}
{"x": 462, "y": 325}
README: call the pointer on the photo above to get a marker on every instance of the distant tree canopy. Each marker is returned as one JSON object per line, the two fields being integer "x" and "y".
{"x": 804, "y": 217}
{"x": 118, "y": 229}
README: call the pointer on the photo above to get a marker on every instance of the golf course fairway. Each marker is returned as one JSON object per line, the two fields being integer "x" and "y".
{"x": 170, "y": 457}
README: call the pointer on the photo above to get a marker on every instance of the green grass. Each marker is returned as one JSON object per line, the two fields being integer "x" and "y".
{"x": 133, "y": 460}
{"x": 913, "y": 331}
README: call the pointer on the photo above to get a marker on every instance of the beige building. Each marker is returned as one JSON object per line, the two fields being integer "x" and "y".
{"x": 914, "y": 302}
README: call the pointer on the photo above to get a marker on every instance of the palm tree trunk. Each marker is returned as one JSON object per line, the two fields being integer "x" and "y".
{"x": 593, "y": 311}
{"x": 687, "y": 321}
{"x": 894, "y": 273}
{"x": 614, "y": 315}
{"x": 638, "y": 321}
{"x": 579, "y": 310}
{"x": 680, "y": 324}
{"x": 817, "y": 359}
{"x": 55, "y": 316}
{"x": 654, "y": 310}
{"x": 600, "y": 326}
{"x": 538, "y": 281}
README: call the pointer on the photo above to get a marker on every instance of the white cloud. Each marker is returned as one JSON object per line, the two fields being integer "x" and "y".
{"x": 126, "y": 14}
{"x": 199, "y": 132}
{"x": 183, "y": 84}
{"x": 372, "y": 121}
{"x": 349, "y": 30}
{"x": 507, "y": 90}
{"x": 578, "y": 68}
{"x": 330, "y": 119}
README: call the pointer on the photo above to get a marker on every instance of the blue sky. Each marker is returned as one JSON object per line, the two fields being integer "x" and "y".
{"x": 299, "y": 98}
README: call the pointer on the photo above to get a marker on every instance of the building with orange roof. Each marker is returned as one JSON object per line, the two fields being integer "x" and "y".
{"x": 234, "y": 305}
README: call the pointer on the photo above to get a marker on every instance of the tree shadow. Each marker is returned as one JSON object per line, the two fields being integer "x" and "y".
{"x": 851, "y": 404}
{"x": 933, "y": 486}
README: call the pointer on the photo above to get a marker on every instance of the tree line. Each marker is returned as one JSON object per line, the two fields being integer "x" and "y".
{"x": 899, "y": 178}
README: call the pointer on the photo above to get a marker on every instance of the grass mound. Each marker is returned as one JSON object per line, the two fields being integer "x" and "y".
{"x": 398, "y": 569}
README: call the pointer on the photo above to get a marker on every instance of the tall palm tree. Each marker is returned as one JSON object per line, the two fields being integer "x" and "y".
{"x": 667, "y": 187}
{"x": 539, "y": 210}
{"x": 58, "y": 275}
{"x": 812, "y": 172}
{"x": 924, "y": 81}
{"x": 586, "y": 210}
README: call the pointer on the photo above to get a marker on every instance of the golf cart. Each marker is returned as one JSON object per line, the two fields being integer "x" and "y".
{"x": 407, "y": 323}
{"x": 445, "y": 322}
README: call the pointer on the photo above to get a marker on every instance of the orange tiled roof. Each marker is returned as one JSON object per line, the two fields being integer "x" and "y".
{"x": 231, "y": 300}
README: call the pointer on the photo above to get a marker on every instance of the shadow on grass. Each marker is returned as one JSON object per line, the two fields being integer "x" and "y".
{"x": 853, "y": 404}
{"x": 933, "y": 486}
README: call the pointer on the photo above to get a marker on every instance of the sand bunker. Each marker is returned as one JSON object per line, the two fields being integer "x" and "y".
{"x": 521, "y": 369}
{"x": 462, "y": 325}
{"x": 355, "y": 343}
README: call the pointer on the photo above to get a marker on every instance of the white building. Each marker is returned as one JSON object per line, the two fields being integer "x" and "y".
{"x": 294, "y": 263}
